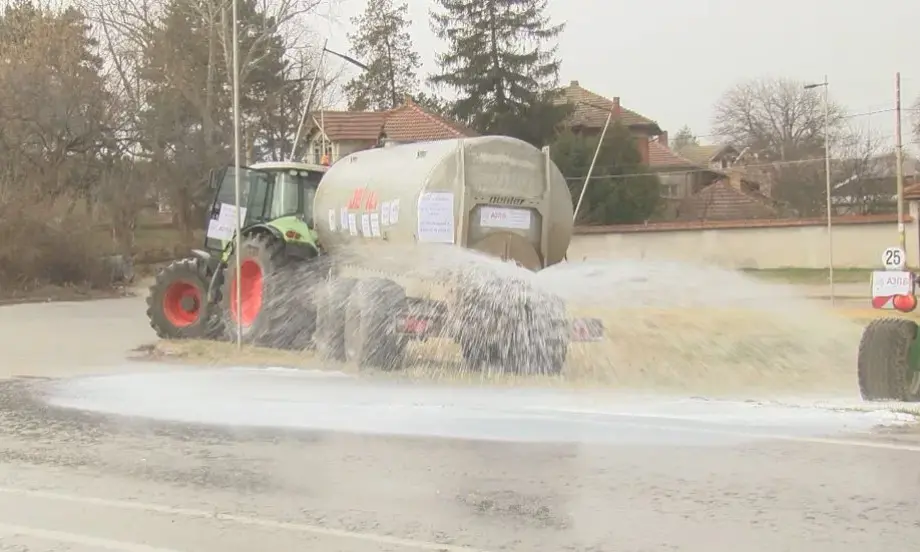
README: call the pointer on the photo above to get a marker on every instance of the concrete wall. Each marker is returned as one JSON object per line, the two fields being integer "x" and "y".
{"x": 858, "y": 242}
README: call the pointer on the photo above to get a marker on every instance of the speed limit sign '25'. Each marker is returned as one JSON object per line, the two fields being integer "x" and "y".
{"x": 894, "y": 259}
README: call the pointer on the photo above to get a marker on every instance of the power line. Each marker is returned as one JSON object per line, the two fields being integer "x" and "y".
{"x": 705, "y": 170}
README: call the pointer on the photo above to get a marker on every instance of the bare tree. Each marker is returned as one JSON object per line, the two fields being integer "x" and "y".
{"x": 859, "y": 182}
{"x": 777, "y": 118}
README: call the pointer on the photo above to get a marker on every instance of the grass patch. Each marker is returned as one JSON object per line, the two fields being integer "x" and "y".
{"x": 811, "y": 275}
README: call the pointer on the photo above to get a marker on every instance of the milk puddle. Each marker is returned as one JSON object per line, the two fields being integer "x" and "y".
{"x": 317, "y": 400}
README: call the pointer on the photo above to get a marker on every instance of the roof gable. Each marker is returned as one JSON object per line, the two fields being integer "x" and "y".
{"x": 660, "y": 156}
{"x": 703, "y": 155}
{"x": 591, "y": 110}
{"x": 722, "y": 201}
{"x": 409, "y": 122}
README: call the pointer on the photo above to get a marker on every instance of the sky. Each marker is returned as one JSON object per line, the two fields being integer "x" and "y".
{"x": 670, "y": 60}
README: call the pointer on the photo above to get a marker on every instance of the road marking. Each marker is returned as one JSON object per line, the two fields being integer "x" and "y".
{"x": 9, "y": 530}
{"x": 243, "y": 520}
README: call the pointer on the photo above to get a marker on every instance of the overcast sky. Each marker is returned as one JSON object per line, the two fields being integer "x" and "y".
{"x": 671, "y": 59}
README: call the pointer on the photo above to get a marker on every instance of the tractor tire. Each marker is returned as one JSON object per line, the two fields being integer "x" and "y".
{"x": 883, "y": 365}
{"x": 371, "y": 338}
{"x": 330, "y": 300}
{"x": 177, "y": 306}
{"x": 262, "y": 290}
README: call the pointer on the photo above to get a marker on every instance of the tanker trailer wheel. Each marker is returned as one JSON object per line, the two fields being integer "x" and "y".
{"x": 177, "y": 304}
{"x": 261, "y": 289}
{"x": 886, "y": 366}
{"x": 513, "y": 327}
{"x": 330, "y": 300}
{"x": 371, "y": 337}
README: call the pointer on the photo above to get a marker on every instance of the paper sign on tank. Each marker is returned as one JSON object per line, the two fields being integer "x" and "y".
{"x": 224, "y": 226}
{"x": 436, "y": 217}
{"x": 365, "y": 225}
{"x": 352, "y": 224}
{"x": 394, "y": 211}
{"x": 375, "y": 225}
{"x": 332, "y": 220}
{"x": 503, "y": 217}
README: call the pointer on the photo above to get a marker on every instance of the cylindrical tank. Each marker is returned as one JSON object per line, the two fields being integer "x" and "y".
{"x": 496, "y": 194}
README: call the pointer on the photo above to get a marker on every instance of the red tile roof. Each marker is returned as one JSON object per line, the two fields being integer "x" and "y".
{"x": 591, "y": 109}
{"x": 721, "y": 201}
{"x": 407, "y": 123}
{"x": 660, "y": 156}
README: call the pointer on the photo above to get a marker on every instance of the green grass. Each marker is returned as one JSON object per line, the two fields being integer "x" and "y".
{"x": 811, "y": 275}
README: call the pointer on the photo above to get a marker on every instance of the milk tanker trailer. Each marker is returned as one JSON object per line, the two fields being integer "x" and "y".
{"x": 324, "y": 248}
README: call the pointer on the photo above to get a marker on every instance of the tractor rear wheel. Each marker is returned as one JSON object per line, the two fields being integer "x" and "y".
{"x": 177, "y": 304}
{"x": 261, "y": 284}
{"x": 330, "y": 300}
{"x": 371, "y": 339}
{"x": 884, "y": 363}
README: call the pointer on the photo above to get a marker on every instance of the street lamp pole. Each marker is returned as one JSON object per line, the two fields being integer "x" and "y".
{"x": 827, "y": 185}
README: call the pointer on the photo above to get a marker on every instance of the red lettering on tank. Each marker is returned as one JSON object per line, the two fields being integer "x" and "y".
{"x": 371, "y": 203}
{"x": 356, "y": 197}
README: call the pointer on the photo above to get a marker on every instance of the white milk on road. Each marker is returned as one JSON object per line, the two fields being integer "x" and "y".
{"x": 312, "y": 400}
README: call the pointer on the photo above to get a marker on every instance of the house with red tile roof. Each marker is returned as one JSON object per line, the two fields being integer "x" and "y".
{"x": 590, "y": 112}
{"x": 339, "y": 133}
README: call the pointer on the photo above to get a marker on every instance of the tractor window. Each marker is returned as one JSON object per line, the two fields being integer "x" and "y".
{"x": 227, "y": 192}
{"x": 285, "y": 197}
{"x": 258, "y": 197}
{"x": 293, "y": 194}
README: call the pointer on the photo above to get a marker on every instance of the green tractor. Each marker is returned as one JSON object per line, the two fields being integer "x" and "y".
{"x": 196, "y": 297}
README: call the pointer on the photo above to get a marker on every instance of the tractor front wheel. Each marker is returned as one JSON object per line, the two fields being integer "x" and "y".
{"x": 177, "y": 303}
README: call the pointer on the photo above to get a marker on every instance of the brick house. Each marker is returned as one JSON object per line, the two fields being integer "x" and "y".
{"x": 590, "y": 114}
{"x": 339, "y": 133}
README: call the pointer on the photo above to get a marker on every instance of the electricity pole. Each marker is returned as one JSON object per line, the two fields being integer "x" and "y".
{"x": 827, "y": 185}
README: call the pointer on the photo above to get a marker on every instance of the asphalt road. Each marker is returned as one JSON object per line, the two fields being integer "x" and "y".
{"x": 274, "y": 460}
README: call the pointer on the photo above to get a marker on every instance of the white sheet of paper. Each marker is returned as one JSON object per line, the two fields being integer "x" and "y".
{"x": 436, "y": 217}
{"x": 352, "y": 224}
{"x": 332, "y": 220}
{"x": 394, "y": 211}
{"x": 224, "y": 226}
{"x": 366, "y": 225}
{"x": 505, "y": 217}
{"x": 385, "y": 213}
{"x": 343, "y": 218}
{"x": 375, "y": 225}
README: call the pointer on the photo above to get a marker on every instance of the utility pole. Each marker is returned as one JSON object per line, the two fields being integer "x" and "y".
{"x": 899, "y": 162}
{"x": 827, "y": 185}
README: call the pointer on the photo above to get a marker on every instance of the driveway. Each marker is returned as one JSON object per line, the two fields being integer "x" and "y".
{"x": 144, "y": 458}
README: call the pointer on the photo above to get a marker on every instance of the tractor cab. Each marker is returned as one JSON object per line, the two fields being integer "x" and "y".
{"x": 275, "y": 197}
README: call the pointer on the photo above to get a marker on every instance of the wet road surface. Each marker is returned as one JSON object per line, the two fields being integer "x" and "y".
{"x": 623, "y": 474}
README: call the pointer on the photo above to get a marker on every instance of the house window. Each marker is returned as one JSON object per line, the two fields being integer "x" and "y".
{"x": 318, "y": 151}
{"x": 670, "y": 191}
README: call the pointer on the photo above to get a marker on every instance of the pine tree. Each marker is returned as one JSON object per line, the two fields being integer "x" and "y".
{"x": 684, "y": 138}
{"x": 501, "y": 66}
{"x": 383, "y": 43}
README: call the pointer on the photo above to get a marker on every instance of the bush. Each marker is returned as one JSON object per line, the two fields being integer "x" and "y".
{"x": 40, "y": 248}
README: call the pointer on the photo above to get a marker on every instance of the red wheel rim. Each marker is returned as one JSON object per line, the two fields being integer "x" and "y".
{"x": 250, "y": 282}
{"x": 182, "y": 304}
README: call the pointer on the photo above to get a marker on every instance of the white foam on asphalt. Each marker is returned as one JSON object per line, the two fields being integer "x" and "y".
{"x": 318, "y": 400}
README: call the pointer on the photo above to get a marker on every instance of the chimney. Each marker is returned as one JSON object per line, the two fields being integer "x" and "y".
{"x": 663, "y": 138}
{"x": 616, "y": 107}
{"x": 573, "y": 83}
{"x": 408, "y": 99}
